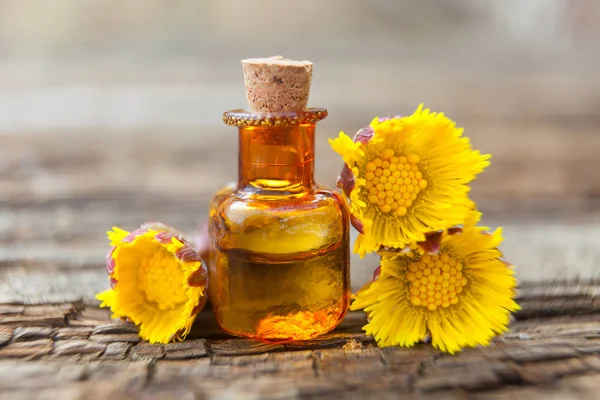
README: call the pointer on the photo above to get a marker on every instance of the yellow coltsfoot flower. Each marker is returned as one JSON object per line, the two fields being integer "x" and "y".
{"x": 462, "y": 296}
{"x": 405, "y": 177}
{"x": 158, "y": 281}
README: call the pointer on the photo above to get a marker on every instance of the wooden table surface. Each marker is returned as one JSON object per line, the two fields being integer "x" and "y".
{"x": 59, "y": 194}
{"x": 74, "y": 351}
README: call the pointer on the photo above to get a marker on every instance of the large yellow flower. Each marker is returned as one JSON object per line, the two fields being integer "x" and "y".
{"x": 462, "y": 296}
{"x": 158, "y": 281}
{"x": 405, "y": 177}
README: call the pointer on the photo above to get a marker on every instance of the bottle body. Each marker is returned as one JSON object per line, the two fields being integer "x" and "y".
{"x": 280, "y": 268}
{"x": 280, "y": 257}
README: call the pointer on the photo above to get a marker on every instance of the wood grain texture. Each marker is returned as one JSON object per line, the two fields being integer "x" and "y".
{"x": 550, "y": 351}
{"x": 57, "y": 201}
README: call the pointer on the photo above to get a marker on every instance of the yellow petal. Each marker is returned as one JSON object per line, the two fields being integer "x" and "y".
{"x": 461, "y": 298}
{"x": 158, "y": 286}
{"x": 423, "y": 165}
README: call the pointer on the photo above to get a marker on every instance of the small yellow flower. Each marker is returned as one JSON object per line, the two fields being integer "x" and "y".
{"x": 405, "y": 177}
{"x": 158, "y": 281}
{"x": 462, "y": 296}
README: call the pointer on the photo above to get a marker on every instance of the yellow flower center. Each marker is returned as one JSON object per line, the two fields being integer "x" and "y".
{"x": 394, "y": 181}
{"x": 435, "y": 281}
{"x": 161, "y": 278}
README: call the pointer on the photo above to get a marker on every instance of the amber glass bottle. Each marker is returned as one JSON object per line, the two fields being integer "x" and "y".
{"x": 280, "y": 259}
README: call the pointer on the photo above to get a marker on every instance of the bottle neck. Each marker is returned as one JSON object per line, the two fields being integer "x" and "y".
{"x": 277, "y": 158}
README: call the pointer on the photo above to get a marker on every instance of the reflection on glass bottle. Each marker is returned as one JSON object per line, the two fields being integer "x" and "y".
{"x": 279, "y": 267}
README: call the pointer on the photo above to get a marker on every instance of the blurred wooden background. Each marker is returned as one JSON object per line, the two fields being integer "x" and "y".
{"x": 111, "y": 115}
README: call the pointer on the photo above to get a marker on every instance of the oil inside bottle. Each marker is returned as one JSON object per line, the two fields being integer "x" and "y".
{"x": 291, "y": 296}
{"x": 279, "y": 267}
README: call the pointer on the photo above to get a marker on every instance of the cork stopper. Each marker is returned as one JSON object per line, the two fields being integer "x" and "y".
{"x": 276, "y": 84}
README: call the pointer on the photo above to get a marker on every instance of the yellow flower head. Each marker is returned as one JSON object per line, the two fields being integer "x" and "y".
{"x": 158, "y": 281}
{"x": 405, "y": 177}
{"x": 462, "y": 296}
